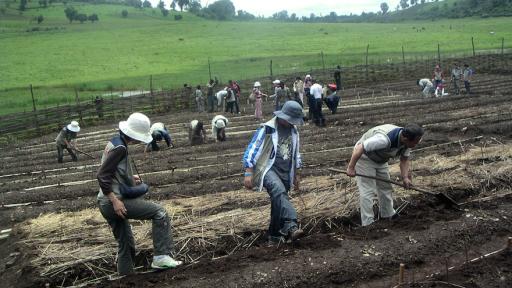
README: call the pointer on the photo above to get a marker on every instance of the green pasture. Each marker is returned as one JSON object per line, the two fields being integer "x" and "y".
{"x": 120, "y": 54}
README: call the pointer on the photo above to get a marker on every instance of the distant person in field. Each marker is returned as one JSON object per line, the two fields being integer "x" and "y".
{"x": 221, "y": 98}
{"x": 121, "y": 197}
{"x": 231, "y": 101}
{"x": 271, "y": 160}
{"x": 219, "y": 124}
{"x": 370, "y": 157}
{"x": 426, "y": 86}
{"x": 298, "y": 89}
{"x": 67, "y": 140}
{"x": 337, "y": 77}
{"x": 332, "y": 98}
{"x": 199, "y": 99}
{"x": 437, "y": 79}
{"x": 278, "y": 95}
{"x": 258, "y": 99}
{"x": 308, "y": 82}
{"x": 455, "y": 77}
{"x": 467, "y": 75}
{"x": 98, "y": 102}
{"x": 158, "y": 132}
{"x": 233, "y": 85}
{"x": 210, "y": 95}
{"x": 316, "y": 95}
{"x": 196, "y": 133}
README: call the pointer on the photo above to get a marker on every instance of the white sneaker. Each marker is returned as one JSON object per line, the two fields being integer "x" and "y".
{"x": 164, "y": 262}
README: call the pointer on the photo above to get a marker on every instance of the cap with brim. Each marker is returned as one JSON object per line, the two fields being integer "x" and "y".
{"x": 291, "y": 112}
{"x": 73, "y": 127}
{"x": 143, "y": 137}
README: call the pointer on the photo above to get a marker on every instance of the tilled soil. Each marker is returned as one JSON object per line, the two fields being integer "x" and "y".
{"x": 426, "y": 238}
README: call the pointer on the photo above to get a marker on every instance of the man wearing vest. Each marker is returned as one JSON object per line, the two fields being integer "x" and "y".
{"x": 115, "y": 176}
{"x": 271, "y": 160}
{"x": 370, "y": 157}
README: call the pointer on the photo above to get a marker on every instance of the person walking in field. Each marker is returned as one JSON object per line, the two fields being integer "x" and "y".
{"x": 210, "y": 95}
{"x": 158, "y": 132}
{"x": 199, "y": 99}
{"x": 219, "y": 124}
{"x": 426, "y": 86}
{"x": 316, "y": 104}
{"x": 437, "y": 79}
{"x": 67, "y": 140}
{"x": 258, "y": 99}
{"x": 370, "y": 157}
{"x": 196, "y": 133}
{"x": 337, "y": 77}
{"x": 467, "y": 75}
{"x": 120, "y": 198}
{"x": 308, "y": 82}
{"x": 271, "y": 160}
{"x": 455, "y": 77}
{"x": 298, "y": 89}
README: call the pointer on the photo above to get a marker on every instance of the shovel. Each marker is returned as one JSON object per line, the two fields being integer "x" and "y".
{"x": 440, "y": 196}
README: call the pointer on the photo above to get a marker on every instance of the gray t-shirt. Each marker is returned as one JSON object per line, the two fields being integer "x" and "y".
{"x": 283, "y": 162}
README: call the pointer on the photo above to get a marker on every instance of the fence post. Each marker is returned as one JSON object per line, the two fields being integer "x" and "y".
{"x": 403, "y": 55}
{"x": 323, "y": 63}
{"x": 209, "y": 70}
{"x": 271, "y": 74}
{"x": 33, "y": 100}
{"x": 366, "y": 65}
{"x": 502, "y": 45}
{"x": 439, "y": 53}
{"x": 473, "y": 45}
{"x": 78, "y": 105}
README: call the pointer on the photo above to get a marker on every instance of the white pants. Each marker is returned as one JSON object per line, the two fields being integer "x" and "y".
{"x": 369, "y": 189}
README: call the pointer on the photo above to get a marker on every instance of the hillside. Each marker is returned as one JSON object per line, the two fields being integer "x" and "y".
{"x": 120, "y": 54}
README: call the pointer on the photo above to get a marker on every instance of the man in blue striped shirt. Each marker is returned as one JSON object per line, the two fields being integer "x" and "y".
{"x": 271, "y": 160}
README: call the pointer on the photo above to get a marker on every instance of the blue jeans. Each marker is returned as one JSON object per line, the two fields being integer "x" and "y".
{"x": 283, "y": 216}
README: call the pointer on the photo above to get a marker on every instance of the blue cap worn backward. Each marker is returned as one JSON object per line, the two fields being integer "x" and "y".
{"x": 291, "y": 112}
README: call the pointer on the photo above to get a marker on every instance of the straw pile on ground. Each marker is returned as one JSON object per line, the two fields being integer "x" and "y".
{"x": 80, "y": 244}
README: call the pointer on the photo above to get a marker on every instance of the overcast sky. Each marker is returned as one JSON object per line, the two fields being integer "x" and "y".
{"x": 304, "y": 7}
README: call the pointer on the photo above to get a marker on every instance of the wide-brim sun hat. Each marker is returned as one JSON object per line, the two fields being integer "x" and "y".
{"x": 73, "y": 127}
{"x": 291, "y": 112}
{"x": 220, "y": 124}
{"x": 257, "y": 84}
{"x": 308, "y": 76}
{"x": 137, "y": 127}
{"x": 276, "y": 81}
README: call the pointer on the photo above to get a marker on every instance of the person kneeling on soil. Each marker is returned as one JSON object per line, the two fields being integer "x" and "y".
{"x": 196, "y": 133}
{"x": 370, "y": 157}
{"x": 159, "y": 132}
{"x": 333, "y": 99}
{"x": 271, "y": 160}
{"x": 67, "y": 140}
{"x": 121, "y": 198}
{"x": 219, "y": 124}
{"x": 426, "y": 86}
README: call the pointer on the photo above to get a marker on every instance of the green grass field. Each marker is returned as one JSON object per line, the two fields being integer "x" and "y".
{"x": 118, "y": 53}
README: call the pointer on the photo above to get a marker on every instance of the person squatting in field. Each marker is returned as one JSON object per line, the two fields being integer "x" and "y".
{"x": 159, "y": 132}
{"x": 196, "y": 133}
{"x": 67, "y": 140}
{"x": 219, "y": 124}
{"x": 370, "y": 157}
{"x": 426, "y": 86}
{"x": 271, "y": 160}
{"x": 121, "y": 197}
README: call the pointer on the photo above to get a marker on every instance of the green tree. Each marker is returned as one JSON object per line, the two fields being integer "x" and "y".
{"x": 222, "y": 9}
{"x": 404, "y": 4}
{"x": 183, "y": 3}
{"x": 161, "y": 5}
{"x": 414, "y": 2}
{"x": 146, "y": 4}
{"x": 93, "y": 17}
{"x": 165, "y": 12}
{"x": 70, "y": 13}
{"x": 194, "y": 6}
{"x": 124, "y": 13}
{"x": 40, "y": 19}
{"x": 281, "y": 15}
{"x": 81, "y": 17}
{"x": 384, "y": 8}
{"x": 43, "y": 3}
{"x": 23, "y": 5}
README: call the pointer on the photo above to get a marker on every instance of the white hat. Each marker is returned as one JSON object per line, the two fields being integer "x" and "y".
{"x": 137, "y": 127}
{"x": 219, "y": 124}
{"x": 73, "y": 127}
{"x": 308, "y": 76}
{"x": 257, "y": 84}
{"x": 276, "y": 81}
